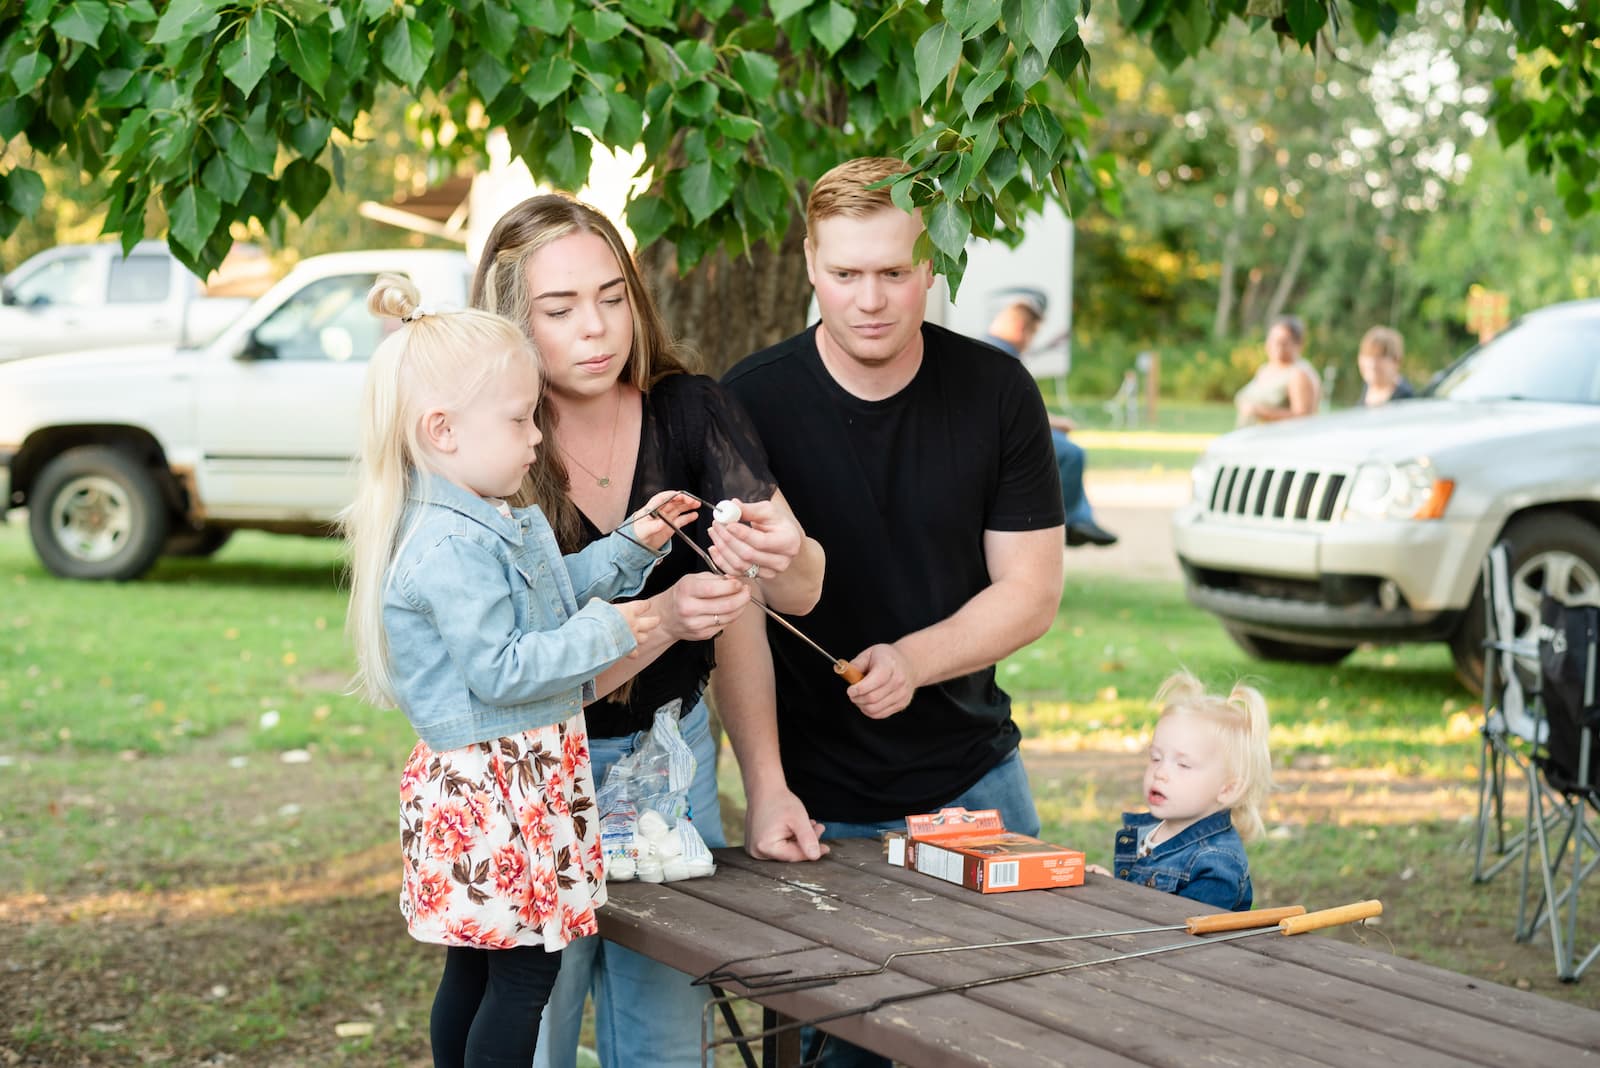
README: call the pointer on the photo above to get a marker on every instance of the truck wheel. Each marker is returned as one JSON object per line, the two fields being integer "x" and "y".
{"x": 1549, "y": 552}
{"x": 196, "y": 543}
{"x": 1289, "y": 652}
{"x": 96, "y": 513}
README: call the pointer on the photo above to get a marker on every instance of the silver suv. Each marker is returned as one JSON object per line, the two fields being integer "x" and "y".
{"x": 1309, "y": 537}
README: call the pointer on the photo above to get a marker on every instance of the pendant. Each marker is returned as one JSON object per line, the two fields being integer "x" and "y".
{"x": 602, "y": 482}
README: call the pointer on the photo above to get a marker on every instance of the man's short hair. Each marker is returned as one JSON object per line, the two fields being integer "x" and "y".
{"x": 1033, "y": 301}
{"x": 1382, "y": 341}
{"x": 843, "y": 190}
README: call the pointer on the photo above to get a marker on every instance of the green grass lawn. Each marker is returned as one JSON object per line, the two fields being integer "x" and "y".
{"x": 197, "y": 855}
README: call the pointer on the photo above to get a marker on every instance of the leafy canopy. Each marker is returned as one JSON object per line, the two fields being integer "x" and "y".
{"x": 221, "y": 111}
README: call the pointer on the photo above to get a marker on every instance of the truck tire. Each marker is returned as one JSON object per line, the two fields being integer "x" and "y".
{"x": 1544, "y": 547}
{"x": 1262, "y": 648}
{"x": 196, "y": 543}
{"x": 96, "y": 513}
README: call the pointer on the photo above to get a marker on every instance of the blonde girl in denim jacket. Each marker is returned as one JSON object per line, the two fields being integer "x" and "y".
{"x": 466, "y": 616}
{"x": 1209, "y": 773}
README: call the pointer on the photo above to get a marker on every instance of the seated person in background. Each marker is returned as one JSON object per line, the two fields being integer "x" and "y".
{"x": 1379, "y": 360}
{"x": 1012, "y": 331}
{"x": 1208, "y": 775}
{"x": 1286, "y": 386}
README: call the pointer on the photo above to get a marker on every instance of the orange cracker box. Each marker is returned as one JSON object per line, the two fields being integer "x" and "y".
{"x": 973, "y": 849}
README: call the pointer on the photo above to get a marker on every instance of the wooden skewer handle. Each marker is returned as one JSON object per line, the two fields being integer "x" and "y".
{"x": 1242, "y": 921}
{"x": 1314, "y": 921}
{"x": 851, "y": 675}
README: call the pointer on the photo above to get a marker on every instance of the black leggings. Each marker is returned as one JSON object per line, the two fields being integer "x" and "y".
{"x": 486, "y": 1013}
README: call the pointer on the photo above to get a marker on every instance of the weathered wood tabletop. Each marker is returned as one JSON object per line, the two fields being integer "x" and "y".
{"x": 1264, "y": 1000}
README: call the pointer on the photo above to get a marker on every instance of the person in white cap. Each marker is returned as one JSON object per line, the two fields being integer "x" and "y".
{"x": 1012, "y": 331}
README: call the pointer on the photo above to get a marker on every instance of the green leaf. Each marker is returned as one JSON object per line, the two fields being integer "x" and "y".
{"x": 782, "y": 9}
{"x": 648, "y": 217}
{"x": 589, "y": 110}
{"x": 246, "y": 58}
{"x": 406, "y": 48}
{"x": 225, "y": 178}
{"x": 1164, "y": 43}
{"x": 972, "y": 17}
{"x": 15, "y": 114}
{"x": 757, "y": 74}
{"x": 550, "y": 16}
{"x": 1031, "y": 66}
{"x": 192, "y": 215}
{"x": 178, "y": 19}
{"x": 29, "y": 70}
{"x": 627, "y": 120}
{"x": 949, "y": 226}
{"x": 1046, "y": 22}
{"x": 1513, "y": 122}
{"x": 567, "y": 161}
{"x": 119, "y": 88}
{"x": 696, "y": 100}
{"x": 980, "y": 89}
{"x": 308, "y": 49}
{"x": 1306, "y": 17}
{"x": 304, "y": 186}
{"x": 704, "y": 188}
{"x": 24, "y": 191}
{"x": 1003, "y": 166}
{"x": 598, "y": 24}
{"x": 832, "y": 25}
{"x": 936, "y": 54}
{"x": 548, "y": 79}
{"x": 860, "y": 65}
{"x": 646, "y": 13}
{"x": 489, "y": 75}
{"x": 83, "y": 20}
{"x": 1042, "y": 128}
{"x": 309, "y": 136}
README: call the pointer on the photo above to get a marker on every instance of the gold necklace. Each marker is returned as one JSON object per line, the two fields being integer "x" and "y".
{"x": 601, "y": 480}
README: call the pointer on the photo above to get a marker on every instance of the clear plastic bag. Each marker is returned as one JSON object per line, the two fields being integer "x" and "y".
{"x": 645, "y": 830}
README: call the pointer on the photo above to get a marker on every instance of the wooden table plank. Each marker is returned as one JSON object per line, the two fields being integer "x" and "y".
{"x": 1101, "y": 997}
{"x": 1464, "y": 1018}
{"x": 662, "y": 921}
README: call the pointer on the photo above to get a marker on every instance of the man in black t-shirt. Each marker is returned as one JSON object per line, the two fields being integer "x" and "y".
{"x": 921, "y": 461}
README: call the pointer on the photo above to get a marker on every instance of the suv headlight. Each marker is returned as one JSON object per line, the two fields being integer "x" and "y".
{"x": 1411, "y": 490}
{"x": 1201, "y": 476}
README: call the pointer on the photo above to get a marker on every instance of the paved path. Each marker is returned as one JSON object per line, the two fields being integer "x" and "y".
{"x": 1139, "y": 511}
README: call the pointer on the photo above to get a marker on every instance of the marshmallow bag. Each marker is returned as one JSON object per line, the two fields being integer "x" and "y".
{"x": 645, "y": 828}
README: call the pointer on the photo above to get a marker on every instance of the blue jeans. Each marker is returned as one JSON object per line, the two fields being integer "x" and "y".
{"x": 1005, "y": 788}
{"x": 645, "y": 1012}
{"x": 1069, "y": 465}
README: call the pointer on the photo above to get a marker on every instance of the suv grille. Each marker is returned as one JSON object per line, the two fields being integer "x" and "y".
{"x": 1283, "y": 494}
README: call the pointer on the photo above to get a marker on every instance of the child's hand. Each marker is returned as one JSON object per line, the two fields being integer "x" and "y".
{"x": 641, "y": 618}
{"x": 670, "y": 506}
{"x": 1095, "y": 869}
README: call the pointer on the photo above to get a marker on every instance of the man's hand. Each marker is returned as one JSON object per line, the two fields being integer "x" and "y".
{"x": 777, "y": 827}
{"x": 888, "y": 681}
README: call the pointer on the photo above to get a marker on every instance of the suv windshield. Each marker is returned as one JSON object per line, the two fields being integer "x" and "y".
{"x": 1541, "y": 359}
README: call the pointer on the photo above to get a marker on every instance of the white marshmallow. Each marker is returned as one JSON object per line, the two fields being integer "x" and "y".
{"x": 725, "y": 512}
{"x": 621, "y": 868}
{"x": 674, "y": 870}
{"x": 649, "y": 871}
{"x": 669, "y": 845}
{"x": 699, "y": 868}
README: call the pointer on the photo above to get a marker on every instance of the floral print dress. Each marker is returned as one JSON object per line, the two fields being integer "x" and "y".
{"x": 501, "y": 841}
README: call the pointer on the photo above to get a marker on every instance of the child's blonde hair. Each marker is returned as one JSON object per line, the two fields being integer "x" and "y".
{"x": 434, "y": 360}
{"x": 1240, "y": 723}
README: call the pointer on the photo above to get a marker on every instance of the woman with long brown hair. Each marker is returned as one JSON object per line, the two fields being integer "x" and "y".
{"x": 623, "y": 418}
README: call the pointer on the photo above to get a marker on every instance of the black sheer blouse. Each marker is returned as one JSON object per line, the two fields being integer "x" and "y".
{"x": 694, "y": 436}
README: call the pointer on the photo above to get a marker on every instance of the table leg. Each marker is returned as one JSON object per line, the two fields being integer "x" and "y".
{"x": 781, "y": 1050}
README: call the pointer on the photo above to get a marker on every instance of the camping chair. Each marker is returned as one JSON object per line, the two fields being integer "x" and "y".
{"x": 1509, "y": 726}
{"x": 1568, "y": 762}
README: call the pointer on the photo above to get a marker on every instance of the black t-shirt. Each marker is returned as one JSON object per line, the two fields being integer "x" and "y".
{"x": 899, "y": 493}
{"x": 693, "y": 437}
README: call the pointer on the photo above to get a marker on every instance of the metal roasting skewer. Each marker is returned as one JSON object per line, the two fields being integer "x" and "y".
{"x": 1294, "y": 925}
{"x": 1195, "y": 925}
{"x": 840, "y": 667}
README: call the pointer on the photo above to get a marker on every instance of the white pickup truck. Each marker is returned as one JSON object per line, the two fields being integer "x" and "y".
{"x": 121, "y": 455}
{"x": 78, "y": 297}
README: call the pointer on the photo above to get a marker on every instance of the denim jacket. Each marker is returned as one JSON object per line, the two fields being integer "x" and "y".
{"x": 481, "y": 612}
{"x": 1204, "y": 862}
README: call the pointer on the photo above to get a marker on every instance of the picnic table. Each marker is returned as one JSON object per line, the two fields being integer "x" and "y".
{"x": 1261, "y": 1000}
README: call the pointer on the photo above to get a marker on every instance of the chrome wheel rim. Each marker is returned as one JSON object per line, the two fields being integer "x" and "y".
{"x": 1566, "y": 575}
{"x": 91, "y": 519}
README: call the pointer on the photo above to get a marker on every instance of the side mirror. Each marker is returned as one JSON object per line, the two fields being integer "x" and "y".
{"x": 6, "y": 296}
{"x": 255, "y": 349}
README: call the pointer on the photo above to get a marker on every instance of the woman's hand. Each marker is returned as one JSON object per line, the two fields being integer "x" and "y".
{"x": 762, "y": 544}
{"x": 672, "y": 509}
{"x": 700, "y": 604}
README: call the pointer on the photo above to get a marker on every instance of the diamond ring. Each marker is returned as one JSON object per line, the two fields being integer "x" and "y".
{"x": 753, "y": 571}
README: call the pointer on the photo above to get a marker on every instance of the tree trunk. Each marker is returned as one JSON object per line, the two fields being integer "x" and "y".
{"x": 1222, "y": 322}
{"x": 725, "y": 309}
{"x": 1291, "y": 271}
